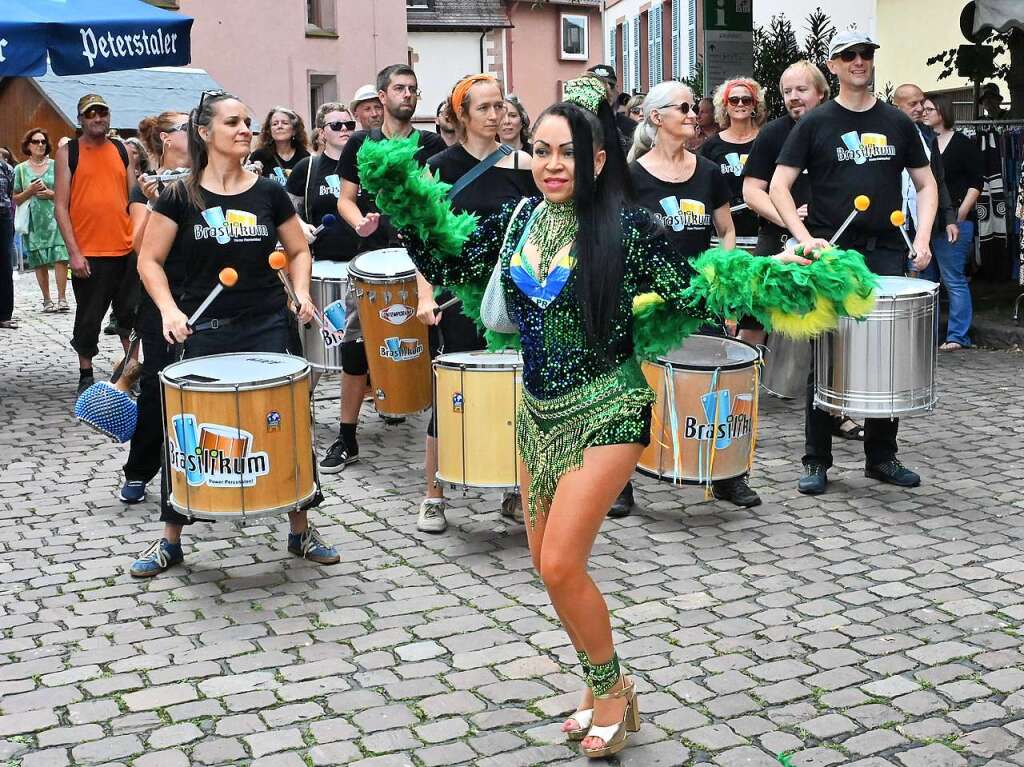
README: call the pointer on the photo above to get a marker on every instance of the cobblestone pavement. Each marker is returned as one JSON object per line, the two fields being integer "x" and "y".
{"x": 873, "y": 626}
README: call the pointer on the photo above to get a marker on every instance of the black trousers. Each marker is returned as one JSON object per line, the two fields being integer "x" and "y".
{"x": 879, "y": 433}
{"x": 6, "y": 273}
{"x": 145, "y": 453}
{"x": 108, "y": 279}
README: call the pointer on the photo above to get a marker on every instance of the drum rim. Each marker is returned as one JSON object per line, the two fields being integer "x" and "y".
{"x": 268, "y": 383}
{"x": 333, "y": 262}
{"x": 739, "y": 365}
{"x": 693, "y": 482}
{"x": 380, "y": 279}
{"x": 213, "y": 516}
{"x": 440, "y": 362}
{"x": 927, "y": 288}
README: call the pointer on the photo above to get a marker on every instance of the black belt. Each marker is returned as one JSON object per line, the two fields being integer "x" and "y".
{"x": 215, "y": 324}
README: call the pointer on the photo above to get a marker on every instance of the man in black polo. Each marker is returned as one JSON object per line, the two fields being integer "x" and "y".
{"x": 855, "y": 145}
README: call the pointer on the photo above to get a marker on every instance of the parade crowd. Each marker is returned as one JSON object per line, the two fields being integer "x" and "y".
{"x": 607, "y": 194}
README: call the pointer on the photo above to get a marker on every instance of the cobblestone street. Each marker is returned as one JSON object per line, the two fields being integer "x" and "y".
{"x": 872, "y": 626}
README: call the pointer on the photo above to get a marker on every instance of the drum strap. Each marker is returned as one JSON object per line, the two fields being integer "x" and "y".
{"x": 479, "y": 169}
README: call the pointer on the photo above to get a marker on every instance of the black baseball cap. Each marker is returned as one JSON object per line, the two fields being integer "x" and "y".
{"x": 605, "y": 73}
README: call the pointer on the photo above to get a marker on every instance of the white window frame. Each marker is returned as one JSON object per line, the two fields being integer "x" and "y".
{"x": 583, "y": 21}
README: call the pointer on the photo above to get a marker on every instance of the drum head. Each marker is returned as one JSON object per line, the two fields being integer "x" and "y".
{"x": 385, "y": 264}
{"x": 330, "y": 270}
{"x": 227, "y": 371}
{"x": 710, "y": 353}
{"x": 892, "y": 287}
{"x": 481, "y": 359}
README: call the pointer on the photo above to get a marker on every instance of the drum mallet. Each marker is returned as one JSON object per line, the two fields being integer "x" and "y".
{"x": 860, "y": 204}
{"x": 226, "y": 279}
{"x": 278, "y": 261}
{"x": 446, "y": 305}
{"x": 329, "y": 221}
{"x": 898, "y": 219}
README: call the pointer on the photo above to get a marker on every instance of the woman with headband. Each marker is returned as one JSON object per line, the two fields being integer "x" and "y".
{"x": 577, "y": 268}
{"x": 477, "y": 107}
{"x": 741, "y": 111}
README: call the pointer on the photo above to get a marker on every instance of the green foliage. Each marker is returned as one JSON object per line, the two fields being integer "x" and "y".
{"x": 998, "y": 41}
{"x": 696, "y": 82}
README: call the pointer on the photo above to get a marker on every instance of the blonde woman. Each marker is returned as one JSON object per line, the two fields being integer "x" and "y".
{"x": 740, "y": 111}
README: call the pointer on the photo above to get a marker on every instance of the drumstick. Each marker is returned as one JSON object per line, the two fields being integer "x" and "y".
{"x": 226, "y": 279}
{"x": 860, "y": 204}
{"x": 741, "y": 206}
{"x": 278, "y": 261}
{"x": 446, "y": 305}
{"x": 897, "y": 219}
{"x": 328, "y": 221}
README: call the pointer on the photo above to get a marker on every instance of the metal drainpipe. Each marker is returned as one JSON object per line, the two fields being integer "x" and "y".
{"x": 482, "y": 57}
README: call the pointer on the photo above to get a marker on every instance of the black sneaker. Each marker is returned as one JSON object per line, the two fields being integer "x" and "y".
{"x": 337, "y": 458}
{"x": 111, "y": 328}
{"x": 736, "y": 491}
{"x": 84, "y": 382}
{"x": 814, "y": 480}
{"x": 391, "y": 420}
{"x": 623, "y": 504}
{"x": 893, "y": 472}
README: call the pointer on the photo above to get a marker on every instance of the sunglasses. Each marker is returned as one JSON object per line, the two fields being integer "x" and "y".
{"x": 210, "y": 95}
{"x": 636, "y": 111}
{"x": 683, "y": 107}
{"x": 741, "y": 100}
{"x": 40, "y": 141}
{"x": 850, "y": 54}
{"x": 338, "y": 125}
{"x": 178, "y": 128}
{"x": 92, "y": 112}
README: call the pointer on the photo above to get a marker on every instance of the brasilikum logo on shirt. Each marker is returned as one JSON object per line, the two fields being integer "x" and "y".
{"x": 863, "y": 147}
{"x": 683, "y": 214}
{"x": 233, "y": 225}
{"x": 734, "y": 163}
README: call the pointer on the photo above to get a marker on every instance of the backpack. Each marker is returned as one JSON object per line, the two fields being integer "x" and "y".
{"x": 73, "y": 154}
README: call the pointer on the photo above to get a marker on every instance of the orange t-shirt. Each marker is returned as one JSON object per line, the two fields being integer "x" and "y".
{"x": 99, "y": 202}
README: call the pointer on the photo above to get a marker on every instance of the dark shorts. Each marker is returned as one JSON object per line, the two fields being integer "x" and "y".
{"x": 113, "y": 280}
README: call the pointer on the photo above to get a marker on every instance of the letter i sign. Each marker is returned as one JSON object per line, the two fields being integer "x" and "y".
{"x": 3, "y": 44}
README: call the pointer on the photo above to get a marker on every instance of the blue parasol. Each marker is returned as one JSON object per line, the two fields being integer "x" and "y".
{"x": 84, "y": 36}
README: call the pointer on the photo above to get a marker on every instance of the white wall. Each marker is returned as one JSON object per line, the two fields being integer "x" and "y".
{"x": 441, "y": 60}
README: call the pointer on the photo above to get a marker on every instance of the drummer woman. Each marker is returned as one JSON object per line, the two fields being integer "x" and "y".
{"x": 586, "y": 408}
{"x": 166, "y": 137}
{"x": 688, "y": 194}
{"x": 478, "y": 107}
{"x": 224, "y": 216}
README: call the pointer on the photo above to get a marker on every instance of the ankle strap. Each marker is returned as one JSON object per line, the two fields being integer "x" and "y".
{"x": 602, "y": 677}
{"x": 623, "y": 692}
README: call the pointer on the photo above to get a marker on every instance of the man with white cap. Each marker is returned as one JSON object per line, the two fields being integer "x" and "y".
{"x": 855, "y": 145}
{"x": 366, "y": 107}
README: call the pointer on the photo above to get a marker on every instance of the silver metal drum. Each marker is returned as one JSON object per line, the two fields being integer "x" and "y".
{"x": 328, "y": 288}
{"x": 787, "y": 363}
{"x": 884, "y": 365}
{"x": 748, "y": 244}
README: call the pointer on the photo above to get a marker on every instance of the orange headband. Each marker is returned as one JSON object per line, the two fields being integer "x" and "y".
{"x": 462, "y": 88}
{"x": 741, "y": 84}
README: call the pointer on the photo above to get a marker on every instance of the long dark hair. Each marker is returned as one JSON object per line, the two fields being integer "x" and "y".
{"x": 599, "y": 201}
{"x": 201, "y": 116}
{"x": 300, "y": 140}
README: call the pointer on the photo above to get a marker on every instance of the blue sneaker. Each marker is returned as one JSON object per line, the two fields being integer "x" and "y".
{"x": 309, "y": 545}
{"x": 133, "y": 491}
{"x": 156, "y": 559}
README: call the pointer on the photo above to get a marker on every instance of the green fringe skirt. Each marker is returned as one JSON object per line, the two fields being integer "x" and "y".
{"x": 551, "y": 434}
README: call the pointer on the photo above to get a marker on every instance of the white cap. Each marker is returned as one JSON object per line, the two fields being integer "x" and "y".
{"x": 364, "y": 93}
{"x": 847, "y": 39}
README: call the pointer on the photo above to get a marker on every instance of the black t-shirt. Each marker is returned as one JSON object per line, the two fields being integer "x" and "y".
{"x": 965, "y": 169}
{"x": 385, "y": 236}
{"x": 847, "y": 154}
{"x": 239, "y": 231}
{"x": 490, "y": 191}
{"x": 276, "y": 168}
{"x": 761, "y": 165}
{"x": 730, "y": 159}
{"x": 320, "y": 197}
{"x": 685, "y": 208}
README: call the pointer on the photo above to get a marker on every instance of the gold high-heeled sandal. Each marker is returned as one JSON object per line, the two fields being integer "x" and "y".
{"x": 584, "y": 717}
{"x": 615, "y": 735}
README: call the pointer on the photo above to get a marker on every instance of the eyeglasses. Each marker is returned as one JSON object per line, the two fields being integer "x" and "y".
{"x": 39, "y": 141}
{"x": 92, "y": 112}
{"x": 867, "y": 54}
{"x": 338, "y": 125}
{"x": 684, "y": 107}
{"x": 926, "y": 110}
{"x": 412, "y": 90}
{"x": 636, "y": 111}
{"x": 741, "y": 100}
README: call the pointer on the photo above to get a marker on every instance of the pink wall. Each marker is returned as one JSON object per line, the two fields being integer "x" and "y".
{"x": 534, "y": 70}
{"x": 258, "y": 49}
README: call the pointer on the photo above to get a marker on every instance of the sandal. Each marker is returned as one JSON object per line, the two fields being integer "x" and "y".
{"x": 11, "y": 324}
{"x": 583, "y": 719}
{"x": 951, "y": 346}
{"x": 48, "y": 306}
{"x": 615, "y": 736}
{"x": 62, "y": 305}
{"x": 849, "y": 429}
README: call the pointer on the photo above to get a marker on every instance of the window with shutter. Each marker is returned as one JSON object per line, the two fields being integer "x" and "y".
{"x": 658, "y": 70}
{"x": 611, "y": 47}
{"x": 635, "y": 53}
{"x": 677, "y": 41}
{"x": 625, "y": 57}
{"x": 691, "y": 38}
{"x": 652, "y": 46}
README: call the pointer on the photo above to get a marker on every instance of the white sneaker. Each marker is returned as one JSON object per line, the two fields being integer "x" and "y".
{"x": 431, "y": 518}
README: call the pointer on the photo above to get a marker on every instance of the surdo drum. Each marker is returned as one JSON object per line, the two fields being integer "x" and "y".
{"x": 328, "y": 287}
{"x": 239, "y": 434}
{"x": 397, "y": 351}
{"x": 475, "y": 400}
{"x": 884, "y": 365}
{"x": 704, "y": 423}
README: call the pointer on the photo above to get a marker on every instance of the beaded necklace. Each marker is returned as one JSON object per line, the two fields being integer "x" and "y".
{"x": 554, "y": 228}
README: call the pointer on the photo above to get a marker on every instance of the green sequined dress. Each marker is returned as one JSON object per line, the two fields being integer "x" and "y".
{"x": 575, "y": 396}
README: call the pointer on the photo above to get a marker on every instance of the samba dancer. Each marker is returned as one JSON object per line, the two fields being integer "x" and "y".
{"x": 398, "y": 91}
{"x": 477, "y": 107}
{"x": 187, "y": 231}
{"x": 166, "y": 137}
{"x": 830, "y": 144}
{"x": 586, "y": 407}
{"x": 691, "y": 198}
{"x": 803, "y": 87}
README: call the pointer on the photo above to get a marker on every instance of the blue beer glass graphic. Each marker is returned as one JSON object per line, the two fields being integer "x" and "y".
{"x": 335, "y": 314}
{"x": 214, "y": 218}
{"x": 187, "y": 433}
{"x": 334, "y": 184}
{"x": 735, "y": 165}
{"x": 717, "y": 402}
{"x": 394, "y": 346}
{"x": 852, "y": 141}
{"x": 671, "y": 207}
